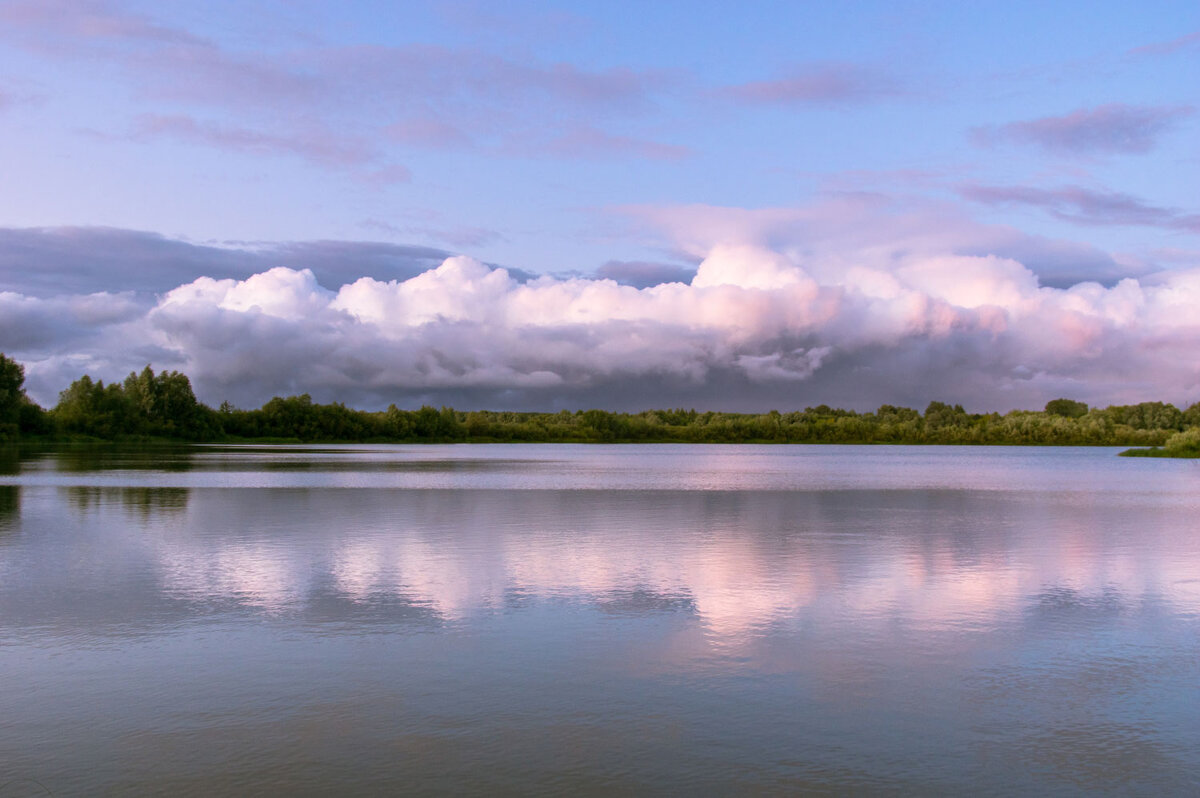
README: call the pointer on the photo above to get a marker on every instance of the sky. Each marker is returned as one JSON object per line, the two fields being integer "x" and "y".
{"x": 548, "y": 205}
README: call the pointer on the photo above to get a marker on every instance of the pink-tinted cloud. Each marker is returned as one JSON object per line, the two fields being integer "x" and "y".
{"x": 1113, "y": 128}
{"x": 429, "y": 132}
{"x": 386, "y": 175}
{"x": 319, "y": 146}
{"x": 752, "y": 327}
{"x": 1085, "y": 206}
{"x": 1188, "y": 41}
{"x": 424, "y": 76}
{"x": 175, "y": 63}
{"x": 416, "y": 95}
{"x": 857, "y": 300}
{"x": 87, "y": 20}
{"x": 819, "y": 84}
{"x": 161, "y": 61}
{"x": 876, "y": 228}
{"x": 590, "y": 142}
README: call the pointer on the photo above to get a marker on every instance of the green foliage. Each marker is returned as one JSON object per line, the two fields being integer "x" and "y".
{"x": 1184, "y": 444}
{"x": 33, "y": 420}
{"x": 1191, "y": 416}
{"x": 1181, "y": 444}
{"x": 939, "y": 416}
{"x": 1068, "y": 408}
{"x": 164, "y": 406}
{"x": 92, "y": 408}
{"x": 1147, "y": 416}
{"x": 12, "y": 377}
{"x": 942, "y": 423}
{"x": 145, "y": 404}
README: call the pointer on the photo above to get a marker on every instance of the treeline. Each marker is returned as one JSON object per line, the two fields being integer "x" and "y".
{"x": 149, "y": 405}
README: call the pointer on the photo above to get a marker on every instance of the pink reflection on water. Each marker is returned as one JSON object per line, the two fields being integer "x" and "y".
{"x": 743, "y": 568}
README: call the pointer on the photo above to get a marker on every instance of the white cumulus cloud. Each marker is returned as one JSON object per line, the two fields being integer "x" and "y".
{"x": 760, "y": 325}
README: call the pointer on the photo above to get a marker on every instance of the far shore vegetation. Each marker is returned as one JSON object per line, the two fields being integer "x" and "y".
{"x": 149, "y": 407}
{"x": 1181, "y": 444}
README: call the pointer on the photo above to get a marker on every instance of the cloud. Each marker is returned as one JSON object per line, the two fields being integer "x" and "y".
{"x": 1106, "y": 129}
{"x": 36, "y": 325}
{"x": 1085, "y": 206}
{"x": 590, "y": 142}
{"x": 819, "y": 84}
{"x": 336, "y": 263}
{"x": 318, "y": 146}
{"x": 856, "y": 300}
{"x": 643, "y": 274}
{"x": 459, "y": 236}
{"x": 431, "y": 133}
{"x": 865, "y": 228}
{"x": 89, "y": 20}
{"x": 386, "y": 175}
{"x": 1188, "y": 41}
{"x": 754, "y": 328}
{"x": 751, "y": 327}
{"x": 48, "y": 261}
{"x": 301, "y": 99}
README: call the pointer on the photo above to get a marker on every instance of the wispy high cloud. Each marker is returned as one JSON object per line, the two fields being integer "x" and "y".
{"x": 301, "y": 99}
{"x": 88, "y": 21}
{"x": 591, "y": 142}
{"x": 429, "y": 132}
{"x": 1188, "y": 41}
{"x": 1113, "y": 128}
{"x": 819, "y": 84}
{"x": 320, "y": 146}
{"x": 1086, "y": 206}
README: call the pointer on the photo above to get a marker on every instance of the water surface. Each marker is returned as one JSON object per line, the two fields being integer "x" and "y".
{"x": 533, "y": 619}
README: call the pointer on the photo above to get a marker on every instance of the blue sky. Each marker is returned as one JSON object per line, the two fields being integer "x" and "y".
{"x": 629, "y": 141}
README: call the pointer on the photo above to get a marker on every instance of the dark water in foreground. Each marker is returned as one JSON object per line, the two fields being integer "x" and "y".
{"x": 597, "y": 619}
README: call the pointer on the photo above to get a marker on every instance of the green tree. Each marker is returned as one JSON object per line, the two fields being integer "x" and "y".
{"x": 12, "y": 397}
{"x": 165, "y": 405}
{"x": 1191, "y": 416}
{"x": 1148, "y": 416}
{"x": 1068, "y": 408}
{"x": 940, "y": 416}
{"x": 93, "y": 408}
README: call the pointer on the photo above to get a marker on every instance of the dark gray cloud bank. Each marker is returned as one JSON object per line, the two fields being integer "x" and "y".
{"x": 52, "y": 261}
{"x": 848, "y": 303}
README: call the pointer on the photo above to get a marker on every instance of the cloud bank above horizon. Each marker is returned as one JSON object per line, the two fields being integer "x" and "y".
{"x": 775, "y": 315}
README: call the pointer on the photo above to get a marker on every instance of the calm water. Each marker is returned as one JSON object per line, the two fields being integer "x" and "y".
{"x": 598, "y": 619}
